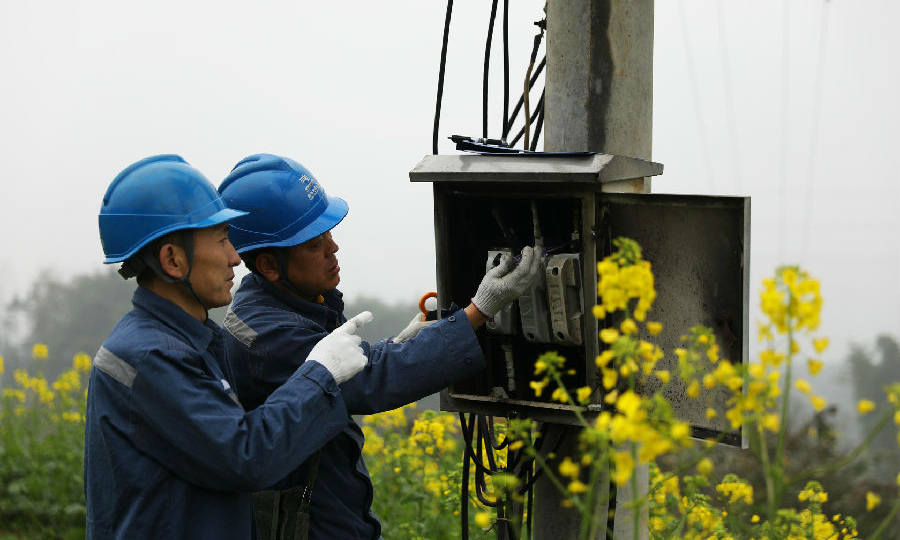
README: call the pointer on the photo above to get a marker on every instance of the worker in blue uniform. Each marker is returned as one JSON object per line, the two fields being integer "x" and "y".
{"x": 170, "y": 453}
{"x": 290, "y": 301}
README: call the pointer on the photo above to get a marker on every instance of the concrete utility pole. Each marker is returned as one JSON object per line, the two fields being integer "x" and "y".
{"x": 598, "y": 97}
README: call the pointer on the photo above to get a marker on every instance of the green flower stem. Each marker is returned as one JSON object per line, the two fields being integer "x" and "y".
{"x": 846, "y": 460}
{"x": 887, "y": 521}
{"x": 596, "y": 519}
{"x": 556, "y": 378}
{"x": 768, "y": 471}
{"x": 785, "y": 406}
{"x": 548, "y": 472}
{"x": 636, "y": 510}
{"x": 677, "y": 529}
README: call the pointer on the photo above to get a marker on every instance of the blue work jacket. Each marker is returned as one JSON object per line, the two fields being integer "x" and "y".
{"x": 169, "y": 451}
{"x": 270, "y": 333}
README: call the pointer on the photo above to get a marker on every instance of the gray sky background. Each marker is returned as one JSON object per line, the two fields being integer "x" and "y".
{"x": 809, "y": 130}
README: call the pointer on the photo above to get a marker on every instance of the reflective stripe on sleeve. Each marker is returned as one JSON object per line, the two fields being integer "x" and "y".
{"x": 239, "y": 329}
{"x": 115, "y": 367}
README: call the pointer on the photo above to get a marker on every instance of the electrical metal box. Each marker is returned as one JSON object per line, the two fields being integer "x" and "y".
{"x": 485, "y": 208}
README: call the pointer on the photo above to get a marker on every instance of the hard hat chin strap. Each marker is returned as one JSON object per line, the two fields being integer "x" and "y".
{"x": 147, "y": 259}
{"x": 188, "y": 241}
{"x": 282, "y": 256}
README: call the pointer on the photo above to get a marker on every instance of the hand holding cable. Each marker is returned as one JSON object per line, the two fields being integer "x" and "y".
{"x": 505, "y": 283}
{"x": 339, "y": 352}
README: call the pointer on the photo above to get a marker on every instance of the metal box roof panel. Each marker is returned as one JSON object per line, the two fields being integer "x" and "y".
{"x": 548, "y": 168}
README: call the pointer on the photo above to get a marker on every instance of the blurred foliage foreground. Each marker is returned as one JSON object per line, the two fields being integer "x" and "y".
{"x": 792, "y": 483}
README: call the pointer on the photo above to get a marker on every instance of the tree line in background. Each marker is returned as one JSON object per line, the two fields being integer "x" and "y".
{"x": 75, "y": 316}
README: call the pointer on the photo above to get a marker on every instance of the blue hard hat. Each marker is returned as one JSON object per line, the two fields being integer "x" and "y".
{"x": 153, "y": 197}
{"x": 285, "y": 203}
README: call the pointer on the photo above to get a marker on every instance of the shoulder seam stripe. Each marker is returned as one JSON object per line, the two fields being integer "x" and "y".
{"x": 239, "y": 329}
{"x": 115, "y": 367}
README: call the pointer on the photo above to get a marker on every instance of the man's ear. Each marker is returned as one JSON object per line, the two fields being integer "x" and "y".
{"x": 267, "y": 266}
{"x": 173, "y": 261}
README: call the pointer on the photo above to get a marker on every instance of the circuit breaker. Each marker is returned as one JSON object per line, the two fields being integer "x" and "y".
{"x": 487, "y": 207}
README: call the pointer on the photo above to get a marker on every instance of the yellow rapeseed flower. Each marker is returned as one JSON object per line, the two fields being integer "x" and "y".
{"x": 14, "y": 393}
{"x": 599, "y": 312}
{"x": 771, "y": 422}
{"x": 680, "y": 431}
{"x": 629, "y": 404}
{"x": 628, "y": 327}
{"x": 559, "y": 394}
{"x": 609, "y": 335}
{"x": 818, "y": 403}
{"x": 538, "y": 386}
{"x": 865, "y": 406}
{"x": 710, "y": 412}
{"x": 735, "y": 417}
{"x": 81, "y": 362}
{"x": 757, "y": 371}
{"x": 483, "y": 520}
{"x": 576, "y": 487}
{"x": 604, "y": 358}
{"x": 814, "y": 366}
{"x": 735, "y": 490}
{"x": 584, "y": 394}
{"x": 654, "y": 328}
{"x": 610, "y": 376}
{"x": 1, "y": 366}
{"x": 820, "y": 344}
{"x": 872, "y": 500}
{"x": 39, "y": 351}
{"x": 624, "y": 465}
{"x": 693, "y": 390}
{"x": 663, "y": 376}
{"x": 803, "y": 386}
{"x": 705, "y": 467}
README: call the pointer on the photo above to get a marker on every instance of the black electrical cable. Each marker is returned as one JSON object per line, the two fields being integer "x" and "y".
{"x": 537, "y": 110}
{"x": 537, "y": 129}
{"x": 489, "y": 426}
{"x": 506, "y": 121}
{"x": 527, "y": 90}
{"x": 611, "y": 508}
{"x": 467, "y": 430}
{"x": 482, "y": 434}
{"x": 440, "y": 89}
{"x": 539, "y": 470}
{"x": 487, "y": 64}
{"x": 464, "y": 497}
{"x": 529, "y": 502}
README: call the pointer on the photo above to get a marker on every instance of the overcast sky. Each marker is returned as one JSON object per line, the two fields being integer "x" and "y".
{"x": 792, "y": 104}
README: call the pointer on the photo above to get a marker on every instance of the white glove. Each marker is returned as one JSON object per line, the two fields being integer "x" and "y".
{"x": 503, "y": 283}
{"x": 414, "y": 327}
{"x": 340, "y": 352}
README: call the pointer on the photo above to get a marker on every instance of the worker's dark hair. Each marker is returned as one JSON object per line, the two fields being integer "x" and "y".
{"x": 249, "y": 257}
{"x": 136, "y": 263}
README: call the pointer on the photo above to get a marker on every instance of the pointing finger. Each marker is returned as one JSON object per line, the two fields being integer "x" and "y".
{"x": 354, "y": 324}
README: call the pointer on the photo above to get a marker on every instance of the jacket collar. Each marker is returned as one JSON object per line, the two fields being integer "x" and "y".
{"x": 197, "y": 334}
{"x": 328, "y": 314}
